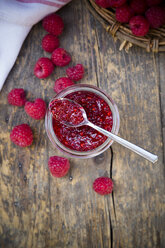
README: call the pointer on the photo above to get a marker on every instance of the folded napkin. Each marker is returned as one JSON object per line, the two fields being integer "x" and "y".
{"x": 16, "y": 19}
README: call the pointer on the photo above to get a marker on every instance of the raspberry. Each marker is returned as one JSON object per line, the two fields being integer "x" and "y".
{"x": 139, "y": 25}
{"x": 75, "y": 73}
{"x": 16, "y": 97}
{"x": 138, "y": 6}
{"x": 22, "y": 135}
{"x": 53, "y": 24}
{"x": 117, "y": 3}
{"x": 62, "y": 83}
{"x": 103, "y": 3}
{"x": 124, "y": 13}
{"x": 153, "y": 2}
{"x": 36, "y": 109}
{"x": 58, "y": 166}
{"x": 43, "y": 68}
{"x": 103, "y": 185}
{"x": 50, "y": 42}
{"x": 60, "y": 57}
{"x": 156, "y": 16}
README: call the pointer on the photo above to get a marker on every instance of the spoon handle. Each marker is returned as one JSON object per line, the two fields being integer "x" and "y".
{"x": 147, "y": 155}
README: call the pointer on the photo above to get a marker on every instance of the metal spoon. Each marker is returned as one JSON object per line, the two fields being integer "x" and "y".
{"x": 147, "y": 155}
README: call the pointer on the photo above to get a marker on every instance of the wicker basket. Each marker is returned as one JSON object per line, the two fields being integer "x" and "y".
{"x": 154, "y": 41}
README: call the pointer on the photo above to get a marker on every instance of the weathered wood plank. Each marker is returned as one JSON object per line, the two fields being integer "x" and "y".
{"x": 37, "y": 210}
{"x": 133, "y": 80}
{"x": 134, "y": 83}
{"x": 162, "y": 95}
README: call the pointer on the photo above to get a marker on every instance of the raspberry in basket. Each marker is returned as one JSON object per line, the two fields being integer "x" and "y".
{"x": 58, "y": 166}
{"x": 22, "y": 135}
{"x": 103, "y": 3}
{"x": 50, "y": 43}
{"x": 117, "y": 3}
{"x": 17, "y": 97}
{"x": 53, "y": 24}
{"x": 62, "y": 83}
{"x": 153, "y": 2}
{"x": 43, "y": 68}
{"x": 124, "y": 13}
{"x": 60, "y": 57}
{"x": 138, "y": 6}
{"x": 103, "y": 185}
{"x": 139, "y": 25}
{"x": 156, "y": 16}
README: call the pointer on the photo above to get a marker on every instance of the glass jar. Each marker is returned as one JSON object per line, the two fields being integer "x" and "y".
{"x": 83, "y": 154}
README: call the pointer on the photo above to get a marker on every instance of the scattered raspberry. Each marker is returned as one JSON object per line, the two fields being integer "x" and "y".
{"x": 58, "y": 166}
{"x": 36, "y": 109}
{"x": 53, "y": 24}
{"x": 138, "y": 6}
{"x": 75, "y": 73}
{"x": 60, "y": 57}
{"x": 153, "y": 2}
{"x": 139, "y": 25}
{"x": 117, "y": 3}
{"x": 16, "y": 97}
{"x": 22, "y": 135}
{"x": 62, "y": 83}
{"x": 103, "y": 185}
{"x": 124, "y": 13}
{"x": 103, "y": 3}
{"x": 50, "y": 42}
{"x": 43, "y": 68}
{"x": 156, "y": 16}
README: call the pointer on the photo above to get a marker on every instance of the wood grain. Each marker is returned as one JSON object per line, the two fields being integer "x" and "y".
{"x": 39, "y": 211}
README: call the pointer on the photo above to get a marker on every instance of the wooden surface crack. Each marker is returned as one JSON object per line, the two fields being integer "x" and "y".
{"x": 110, "y": 173}
{"x": 111, "y": 229}
{"x": 157, "y": 72}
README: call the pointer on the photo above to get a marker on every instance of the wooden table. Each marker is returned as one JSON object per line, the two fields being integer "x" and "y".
{"x": 40, "y": 211}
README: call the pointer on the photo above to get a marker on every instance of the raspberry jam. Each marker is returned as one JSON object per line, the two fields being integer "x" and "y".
{"x": 85, "y": 138}
{"x": 66, "y": 112}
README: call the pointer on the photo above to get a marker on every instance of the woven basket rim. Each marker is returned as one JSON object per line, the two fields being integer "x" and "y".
{"x": 154, "y": 41}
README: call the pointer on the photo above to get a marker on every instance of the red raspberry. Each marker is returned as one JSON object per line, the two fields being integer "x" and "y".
{"x": 16, "y": 97}
{"x": 60, "y": 57}
{"x": 138, "y": 6}
{"x": 117, "y": 3}
{"x": 156, "y": 16}
{"x": 103, "y": 185}
{"x": 36, "y": 109}
{"x": 153, "y": 2}
{"x": 62, "y": 83}
{"x": 50, "y": 42}
{"x": 58, "y": 166}
{"x": 53, "y": 24}
{"x": 139, "y": 25}
{"x": 103, "y": 3}
{"x": 43, "y": 68}
{"x": 124, "y": 13}
{"x": 75, "y": 73}
{"x": 22, "y": 135}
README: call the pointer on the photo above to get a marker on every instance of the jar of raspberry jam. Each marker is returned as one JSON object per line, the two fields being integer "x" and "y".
{"x": 84, "y": 141}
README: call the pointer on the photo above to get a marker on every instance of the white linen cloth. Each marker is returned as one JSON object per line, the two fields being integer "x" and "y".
{"x": 16, "y": 19}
